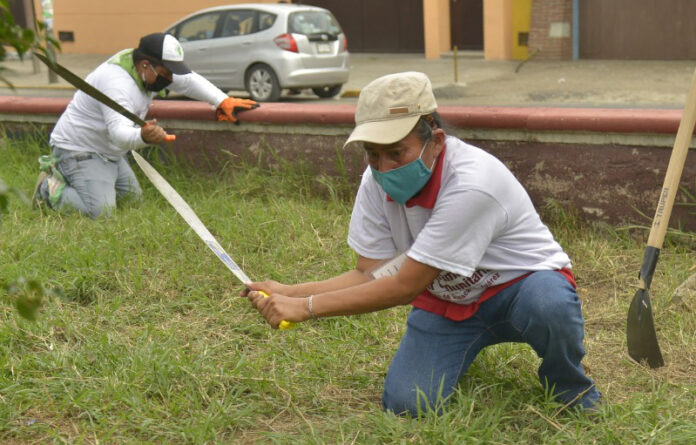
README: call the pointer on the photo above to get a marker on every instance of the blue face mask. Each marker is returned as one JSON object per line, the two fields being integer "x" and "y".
{"x": 402, "y": 183}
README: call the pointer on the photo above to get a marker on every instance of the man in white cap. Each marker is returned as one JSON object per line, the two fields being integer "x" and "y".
{"x": 479, "y": 267}
{"x": 88, "y": 169}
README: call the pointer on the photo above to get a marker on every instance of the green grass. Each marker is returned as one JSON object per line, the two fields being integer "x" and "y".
{"x": 150, "y": 343}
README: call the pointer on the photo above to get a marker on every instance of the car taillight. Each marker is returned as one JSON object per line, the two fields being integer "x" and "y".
{"x": 345, "y": 43}
{"x": 286, "y": 42}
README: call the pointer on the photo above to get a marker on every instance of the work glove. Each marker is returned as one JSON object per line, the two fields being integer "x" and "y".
{"x": 228, "y": 108}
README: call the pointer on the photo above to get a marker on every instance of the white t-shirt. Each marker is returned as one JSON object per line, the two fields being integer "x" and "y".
{"x": 481, "y": 231}
{"x": 90, "y": 126}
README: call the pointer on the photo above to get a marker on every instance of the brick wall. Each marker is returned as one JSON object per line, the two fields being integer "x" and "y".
{"x": 551, "y": 29}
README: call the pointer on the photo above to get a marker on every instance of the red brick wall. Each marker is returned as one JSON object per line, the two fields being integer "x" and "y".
{"x": 551, "y": 17}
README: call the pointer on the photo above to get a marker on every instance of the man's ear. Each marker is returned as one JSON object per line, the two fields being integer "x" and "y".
{"x": 439, "y": 138}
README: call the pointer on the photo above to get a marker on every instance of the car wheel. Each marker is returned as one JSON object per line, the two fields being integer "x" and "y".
{"x": 327, "y": 91}
{"x": 262, "y": 83}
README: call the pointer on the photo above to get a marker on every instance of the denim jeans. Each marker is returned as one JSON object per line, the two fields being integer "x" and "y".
{"x": 542, "y": 310}
{"x": 93, "y": 182}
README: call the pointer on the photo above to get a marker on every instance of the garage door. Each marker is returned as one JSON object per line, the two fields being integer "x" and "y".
{"x": 637, "y": 29}
{"x": 466, "y": 17}
{"x": 379, "y": 25}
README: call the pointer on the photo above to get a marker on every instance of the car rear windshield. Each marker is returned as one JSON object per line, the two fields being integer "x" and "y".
{"x": 313, "y": 22}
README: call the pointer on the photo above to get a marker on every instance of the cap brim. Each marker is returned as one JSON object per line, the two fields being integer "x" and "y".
{"x": 382, "y": 132}
{"x": 176, "y": 67}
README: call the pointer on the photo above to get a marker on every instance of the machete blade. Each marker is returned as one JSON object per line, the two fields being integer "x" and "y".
{"x": 640, "y": 331}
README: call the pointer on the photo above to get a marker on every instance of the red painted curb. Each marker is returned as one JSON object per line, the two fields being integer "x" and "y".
{"x": 32, "y": 105}
{"x": 598, "y": 120}
{"x": 618, "y": 120}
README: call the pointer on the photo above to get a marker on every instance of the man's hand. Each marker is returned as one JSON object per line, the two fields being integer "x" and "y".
{"x": 153, "y": 133}
{"x": 268, "y": 286}
{"x": 228, "y": 108}
{"x": 277, "y": 308}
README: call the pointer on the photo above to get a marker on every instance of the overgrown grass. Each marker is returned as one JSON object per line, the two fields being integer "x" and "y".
{"x": 150, "y": 342}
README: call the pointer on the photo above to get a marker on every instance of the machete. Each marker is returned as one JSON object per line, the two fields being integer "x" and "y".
{"x": 157, "y": 180}
{"x": 194, "y": 222}
{"x": 640, "y": 327}
{"x": 91, "y": 91}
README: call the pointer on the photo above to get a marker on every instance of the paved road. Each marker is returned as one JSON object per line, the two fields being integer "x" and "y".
{"x": 584, "y": 83}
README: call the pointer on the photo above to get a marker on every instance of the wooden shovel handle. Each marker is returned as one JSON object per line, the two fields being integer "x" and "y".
{"x": 674, "y": 169}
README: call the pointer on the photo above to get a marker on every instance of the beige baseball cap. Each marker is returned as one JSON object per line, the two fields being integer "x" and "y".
{"x": 389, "y": 107}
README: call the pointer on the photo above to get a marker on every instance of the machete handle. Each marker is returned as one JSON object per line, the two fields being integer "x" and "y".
{"x": 283, "y": 324}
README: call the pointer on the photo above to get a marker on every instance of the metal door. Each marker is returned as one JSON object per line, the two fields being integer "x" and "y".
{"x": 381, "y": 26}
{"x": 466, "y": 22}
{"x": 637, "y": 29}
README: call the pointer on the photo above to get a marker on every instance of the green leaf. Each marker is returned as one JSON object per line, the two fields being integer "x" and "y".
{"x": 28, "y": 306}
{"x": 28, "y": 296}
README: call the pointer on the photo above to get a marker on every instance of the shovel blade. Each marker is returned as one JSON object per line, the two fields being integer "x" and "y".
{"x": 640, "y": 331}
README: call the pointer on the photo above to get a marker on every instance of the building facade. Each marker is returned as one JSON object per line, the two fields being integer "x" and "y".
{"x": 499, "y": 29}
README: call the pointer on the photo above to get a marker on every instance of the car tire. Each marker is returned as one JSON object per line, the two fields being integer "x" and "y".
{"x": 262, "y": 83}
{"x": 327, "y": 91}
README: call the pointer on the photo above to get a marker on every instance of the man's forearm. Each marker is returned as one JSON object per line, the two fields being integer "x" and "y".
{"x": 348, "y": 279}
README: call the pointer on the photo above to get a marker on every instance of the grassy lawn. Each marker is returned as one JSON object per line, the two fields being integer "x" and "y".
{"x": 150, "y": 343}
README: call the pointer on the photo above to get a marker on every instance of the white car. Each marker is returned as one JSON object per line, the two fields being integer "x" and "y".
{"x": 265, "y": 48}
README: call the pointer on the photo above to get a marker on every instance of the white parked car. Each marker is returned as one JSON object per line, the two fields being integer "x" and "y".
{"x": 264, "y": 48}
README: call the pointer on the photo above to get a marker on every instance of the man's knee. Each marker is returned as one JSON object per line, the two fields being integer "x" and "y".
{"x": 399, "y": 402}
{"x": 131, "y": 190}
{"x": 95, "y": 212}
{"x": 405, "y": 400}
{"x": 98, "y": 207}
{"x": 99, "y": 198}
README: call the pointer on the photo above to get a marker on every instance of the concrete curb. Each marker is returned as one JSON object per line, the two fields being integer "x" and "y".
{"x": 43, "y": 87}
{"x": 601, "y": 120}
{"x": 607, "y": 163}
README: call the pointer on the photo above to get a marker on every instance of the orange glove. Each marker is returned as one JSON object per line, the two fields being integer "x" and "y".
{"x": 228, "y": 108}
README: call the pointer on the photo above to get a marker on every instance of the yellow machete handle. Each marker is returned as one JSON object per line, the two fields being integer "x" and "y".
{"x": 283, "y": 324}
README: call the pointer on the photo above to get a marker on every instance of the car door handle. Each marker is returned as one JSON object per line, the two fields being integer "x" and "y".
{"x": 246, "y": 43}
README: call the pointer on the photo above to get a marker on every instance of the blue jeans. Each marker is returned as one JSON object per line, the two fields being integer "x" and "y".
{"x": 542, "y": 310}
{"x": 93, "y": 183}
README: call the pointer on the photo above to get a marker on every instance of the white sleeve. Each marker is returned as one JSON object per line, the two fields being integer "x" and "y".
{"x": 462, "y": 226}
{"x": 122, "y": 131}
{"x": 197, "y": 87}
{"x": 369, "y": 234}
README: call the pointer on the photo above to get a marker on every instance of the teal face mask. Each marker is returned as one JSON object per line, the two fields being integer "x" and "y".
{"x": 402, "y": 183}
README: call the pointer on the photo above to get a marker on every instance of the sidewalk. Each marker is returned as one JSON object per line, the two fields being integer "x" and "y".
{"x": 582, "y": 83}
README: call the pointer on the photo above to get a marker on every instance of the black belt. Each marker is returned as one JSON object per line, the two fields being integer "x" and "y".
{"x": 89, "y": 155}
{"x": 84, "y": 156}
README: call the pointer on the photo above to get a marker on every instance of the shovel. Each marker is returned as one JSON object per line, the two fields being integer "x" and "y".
{"x": 640, "y": 328}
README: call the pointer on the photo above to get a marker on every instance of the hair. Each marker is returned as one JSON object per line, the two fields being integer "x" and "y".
{"x": 139, "y": 56}
{"x": 426, "y": 124}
